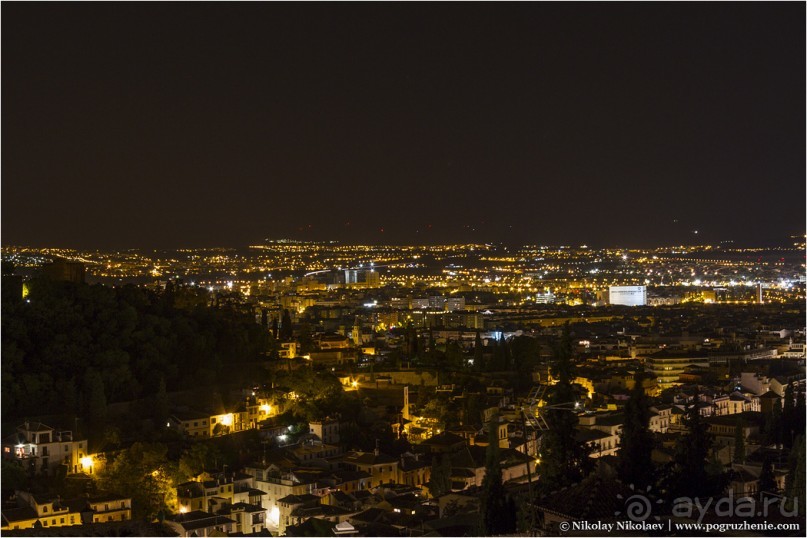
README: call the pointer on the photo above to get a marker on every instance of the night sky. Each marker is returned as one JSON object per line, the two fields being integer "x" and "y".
{"x": 151, "y": 125}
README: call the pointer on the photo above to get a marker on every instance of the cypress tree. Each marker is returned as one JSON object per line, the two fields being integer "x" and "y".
{"x": 774, "y": 436}
{"x": 478, "y": 353}
{"x": 432, "y": 352}
{"x": 440, "y": 481}
{"x": 498, "y": 510}
{"x": 562, "y": 457}
{"x": 275, "y": 329}
{"x": 496, "y": 359}
{"x": 286, "y": 332}
{"x": 507, "y": 361}
{"x": 788, "y": 412}
{"x": 415, "y": 348}
{"x": 96, "y": 399}
{"x": 691, "y": 478}
{"x": 635, "y": 462}
{"x": 767, "y": 482}
{"x": 799, "y": 418}
{"x": 795, "y": 493}
{"x": 739, "y": 440}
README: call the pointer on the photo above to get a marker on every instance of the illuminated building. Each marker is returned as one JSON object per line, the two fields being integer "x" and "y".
{"x": 46, "y": 449}
{"x": 544, "y": 298}
{"x": 627, "y": 295}
{"x": 198, "y": 523}
{"x": 455, "y": 303}
{"x": 277, "y": 485}
{"x": 32, "y": 511}
{"x": 362, "y": 278}
{"x": 326, "y": 430}
{"x": 667, "y": 367}
{"x": 214, "y": 491}
{"x": 190, "y": 423}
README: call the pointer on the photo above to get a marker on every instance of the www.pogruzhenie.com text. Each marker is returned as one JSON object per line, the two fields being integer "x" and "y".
{"x": 671, "y": 526}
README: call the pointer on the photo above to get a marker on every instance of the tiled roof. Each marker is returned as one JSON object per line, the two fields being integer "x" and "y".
{"x": 444, "y": 439}
{"x": 18, "y": 514}
{"x": 369, "y": 458}
{"x": 593, "y": 498}
{"x": 586, "y": 436}
{"x": 298, "y": 499}
{"x": 199, "y": 520}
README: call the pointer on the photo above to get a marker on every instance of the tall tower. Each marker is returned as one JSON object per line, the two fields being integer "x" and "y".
{"x": 406, "y": 404}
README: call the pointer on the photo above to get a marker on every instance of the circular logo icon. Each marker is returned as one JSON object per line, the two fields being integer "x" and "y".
{"x": 638, "y": 507}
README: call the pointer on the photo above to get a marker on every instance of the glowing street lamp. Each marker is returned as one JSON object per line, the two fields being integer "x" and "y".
{"x": 86, "y": 464}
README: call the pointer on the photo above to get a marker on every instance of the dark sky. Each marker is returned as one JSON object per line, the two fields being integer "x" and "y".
{"x": 155, "y": 125}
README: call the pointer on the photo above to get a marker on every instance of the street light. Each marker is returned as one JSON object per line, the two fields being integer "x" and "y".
{"x": 86, "y": 463}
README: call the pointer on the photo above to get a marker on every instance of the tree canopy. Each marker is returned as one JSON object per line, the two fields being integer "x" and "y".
{"x": 78, "y": 345}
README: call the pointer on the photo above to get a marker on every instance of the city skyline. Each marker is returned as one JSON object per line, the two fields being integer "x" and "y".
{"x": 164, "y": 126}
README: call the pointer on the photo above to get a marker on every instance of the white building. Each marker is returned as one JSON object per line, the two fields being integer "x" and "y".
{"x": 46, "y": 449}
{"x": 627, "y": 295}
{"x": 453, "y": 304}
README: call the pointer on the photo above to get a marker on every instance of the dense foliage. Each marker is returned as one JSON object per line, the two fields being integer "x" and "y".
{"x": 76, "y": 348}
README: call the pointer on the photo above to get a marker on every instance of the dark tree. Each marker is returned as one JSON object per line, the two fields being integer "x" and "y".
{"x": 501, "y": 356}
{"x": 795, "y": 493}
{"x": 479, "y": 353}
{"x": 690, "y": 477}
{"x": 472, "y": 411}
{"x": 526, "y": 353}
{"x": 432, "y": 354}
{"x": 788, "y": 417}
{"x": 767, "y": 481}
{"x": 563, "y": 458}
{"x": 454, "y": 356}
{"x": 161, "y": 403}
{"x": 286, "y": 331}
{"x": 440, "y": 482}
{"x": 307, "y": 344}
{"x": 275, "y": 329}
{"x": 96, "y": 400}
{"x": 773, "y": 424}
{"x": 498, "y": 510}
{"x": 799, "y": 418}
{"x": 635, "y": 462}
{"x": 739, "y": 441}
